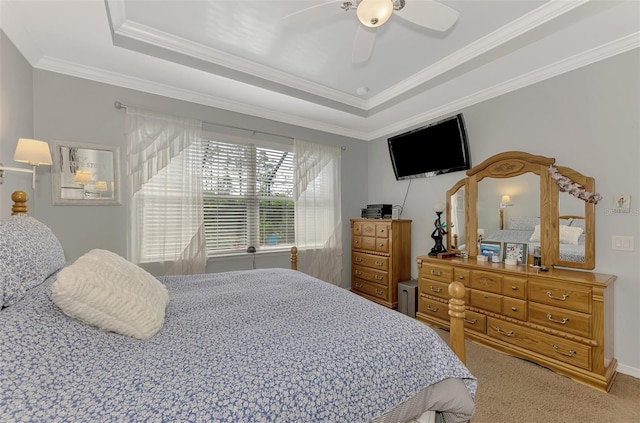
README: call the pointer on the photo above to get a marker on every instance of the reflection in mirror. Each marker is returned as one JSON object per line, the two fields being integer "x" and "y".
{"x": 572, "y": 228}
{"x": 457, "y": 213}
{"x": 522, "y": 212}
{"x": 85, "y": 174}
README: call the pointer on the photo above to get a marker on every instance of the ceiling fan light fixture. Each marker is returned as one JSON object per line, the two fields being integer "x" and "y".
{"x": 373, "y": 13}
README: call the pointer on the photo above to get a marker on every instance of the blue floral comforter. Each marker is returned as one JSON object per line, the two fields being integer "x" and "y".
{"x": 269, "y": 345}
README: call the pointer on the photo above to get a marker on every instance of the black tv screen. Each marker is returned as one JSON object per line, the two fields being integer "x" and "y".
{"x": 435, "y": 149}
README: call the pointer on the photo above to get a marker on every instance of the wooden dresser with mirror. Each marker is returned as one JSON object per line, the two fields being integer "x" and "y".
{"x": 561, "y": 317}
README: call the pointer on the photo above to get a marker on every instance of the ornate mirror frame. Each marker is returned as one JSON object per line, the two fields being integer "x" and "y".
{"x": 513, "y": 163}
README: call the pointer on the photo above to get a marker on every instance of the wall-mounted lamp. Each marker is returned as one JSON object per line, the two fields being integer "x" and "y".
{"x": 506, "y": 201}
{"x": 83, "y": 177}
{"x": 29, "y": 151}
{"x": 373, "y": 13}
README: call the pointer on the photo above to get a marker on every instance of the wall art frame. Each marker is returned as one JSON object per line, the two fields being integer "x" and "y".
{"x": 85, "y": 174}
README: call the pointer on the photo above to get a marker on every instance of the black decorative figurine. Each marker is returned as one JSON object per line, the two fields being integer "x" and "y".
{"x": 438, "y": 232}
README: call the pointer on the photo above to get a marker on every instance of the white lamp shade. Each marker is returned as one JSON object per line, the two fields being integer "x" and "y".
{"x": 83, "y": 177}
{"x": 439, "y": 207}
{"x": 33, "y": 152}
{"x": 101, "y": 186}
{"x": 506, "y": 199}
{"x": 373, "y": 13}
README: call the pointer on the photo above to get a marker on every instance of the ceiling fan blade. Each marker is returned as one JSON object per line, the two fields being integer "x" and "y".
{"x": 363, "y": 44}
{"x": 429, "y": 14}
{"x": 312, "y": 14}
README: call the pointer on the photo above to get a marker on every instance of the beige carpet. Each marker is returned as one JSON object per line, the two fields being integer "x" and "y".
{"x": 512, "y": 390}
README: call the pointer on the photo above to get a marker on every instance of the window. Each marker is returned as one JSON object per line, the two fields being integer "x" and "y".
{"x": 247, "y": 196}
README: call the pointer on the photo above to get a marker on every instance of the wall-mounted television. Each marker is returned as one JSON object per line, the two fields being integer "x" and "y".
{"x": 441, "y": 147}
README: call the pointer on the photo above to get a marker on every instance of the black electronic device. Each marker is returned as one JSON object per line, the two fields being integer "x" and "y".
{"x": 432, "y": 150}
{"x": 376, "y": 211}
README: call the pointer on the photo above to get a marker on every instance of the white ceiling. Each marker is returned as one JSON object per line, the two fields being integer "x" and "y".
{"x": 238, "y": 55}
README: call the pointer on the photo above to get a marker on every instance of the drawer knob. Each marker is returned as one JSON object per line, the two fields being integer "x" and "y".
{"x": 471, "y": 322}
{"x": 379, "y": 278}
{"x": 571, "y": 353}
{"x": 358, "y": 260}
{"x": 562, "y": 322}
{"x": 461, "y": 277}
{"x": 358, "y": 272}
{"x": 358, "y": 285}
{"x": 434, "y": 309}
{"x": 564, "y": 296}
{"x": 436, "y": 272}
{"x": 434, "y": 289}
{"x": 514, "y": 308}
{"x": 379, "y": 263}
{"x": 501, "y": 332}
{"x": 379, "y": 291}
{"x": 514, "y": 288}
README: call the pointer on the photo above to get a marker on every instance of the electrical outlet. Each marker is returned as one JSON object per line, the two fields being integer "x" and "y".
{"x": 622, "y": 243}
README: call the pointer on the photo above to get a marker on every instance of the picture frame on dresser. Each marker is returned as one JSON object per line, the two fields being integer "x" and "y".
{"x": 516, "y": 250}
{"x": 491, "y": 248}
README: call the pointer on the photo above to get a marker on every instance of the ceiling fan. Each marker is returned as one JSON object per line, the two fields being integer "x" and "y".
{"x": 374, "y": 13}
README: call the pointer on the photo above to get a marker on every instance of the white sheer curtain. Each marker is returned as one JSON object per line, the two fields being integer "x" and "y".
{"x": 166, "y": 219}
{"x": 318, "y": 210}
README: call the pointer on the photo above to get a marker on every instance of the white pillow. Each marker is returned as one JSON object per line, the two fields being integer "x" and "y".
{"x": 570, "y": 234}
{"x": 535, "y": 237}
{"x": 105, "y": 290}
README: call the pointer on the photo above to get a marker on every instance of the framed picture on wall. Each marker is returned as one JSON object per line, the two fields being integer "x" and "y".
{"x": 491, "y": 248}
{"x": 85, "y": 174}
{"x": 516, "y": 250}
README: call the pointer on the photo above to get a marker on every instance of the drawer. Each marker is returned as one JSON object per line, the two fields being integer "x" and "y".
{"x": 434, "y": 288}
{"x": 561, "y": 319}
{"x": 551, "y": 346}
{"x": 362, "y": 286}
{"x": 475, "y": 321}
{"x": 371, "y": 275}
{"x": 375, "y": 262}
{"x": 433, "y": 308}
{"x": 514, "y": 287}
{"x": 486, "y": 281}
{"x": 356, "y": 229}
{"x": 356, "y": 242}
{"x": 512, "y": 307}
{"x": 486, "y": 301}
{"x": 436, "y": 272}
{"x": 380, "y": 230}
{"x": 463, "y": 276}
{"x": 560, "y": 295}
{"x": 380, "y": 245}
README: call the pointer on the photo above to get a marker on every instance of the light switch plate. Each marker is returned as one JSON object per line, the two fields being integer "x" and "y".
{"x": 622, "y": 243}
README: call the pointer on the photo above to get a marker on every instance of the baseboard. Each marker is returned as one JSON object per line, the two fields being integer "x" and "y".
{"x": 628, "y": 370}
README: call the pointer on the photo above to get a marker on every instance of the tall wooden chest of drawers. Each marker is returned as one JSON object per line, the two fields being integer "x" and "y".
{"x": 380, "y": 258}
{"x": 561, "y": 319}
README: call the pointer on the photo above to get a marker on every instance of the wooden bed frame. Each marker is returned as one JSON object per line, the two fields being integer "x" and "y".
{"x": 456, "y": 289}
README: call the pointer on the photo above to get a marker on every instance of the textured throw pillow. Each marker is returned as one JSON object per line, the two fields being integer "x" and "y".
{"x": 535, "y": 237}
{"x": 29, "y": 254}
{"x": 570, "y": 234}
{"x": 105, "y": 290}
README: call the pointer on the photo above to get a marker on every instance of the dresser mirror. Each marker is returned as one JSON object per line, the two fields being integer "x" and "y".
{"x": 537, "y": 212}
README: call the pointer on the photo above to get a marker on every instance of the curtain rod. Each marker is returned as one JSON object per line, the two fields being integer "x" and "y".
{"x": 118, "y": 105}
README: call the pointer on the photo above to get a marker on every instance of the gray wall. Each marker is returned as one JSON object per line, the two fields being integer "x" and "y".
{"x": 588, "y": 120}
{"x": 16, "y": 118}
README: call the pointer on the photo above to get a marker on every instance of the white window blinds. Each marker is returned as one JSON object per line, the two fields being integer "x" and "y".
{"x": 248, "y": 197}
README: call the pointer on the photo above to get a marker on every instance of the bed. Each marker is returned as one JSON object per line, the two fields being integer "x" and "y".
{"x": 527, "y": 230}
{"x": 265, "y": 345}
